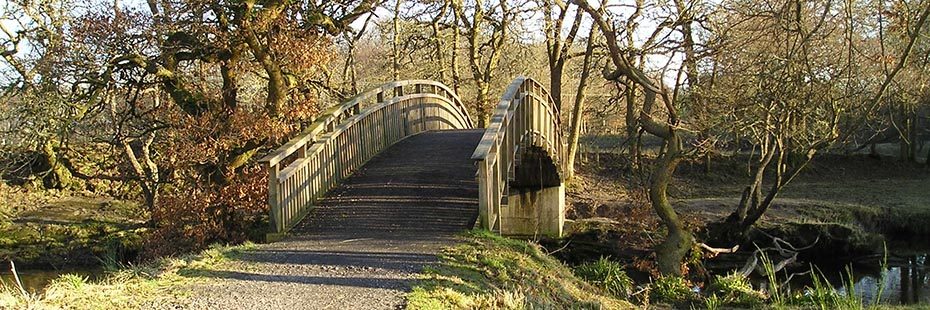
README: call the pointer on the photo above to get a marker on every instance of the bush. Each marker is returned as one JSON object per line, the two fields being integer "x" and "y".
{"x": 203, "y": 214}
{"x": 735, "y": 290}
{"x": 608, "y": 275}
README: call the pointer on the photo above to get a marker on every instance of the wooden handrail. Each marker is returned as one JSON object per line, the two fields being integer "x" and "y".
{"x": 286, "y": 172}
{"x": 333, "y": 115}
{"x": 346, "y": 136}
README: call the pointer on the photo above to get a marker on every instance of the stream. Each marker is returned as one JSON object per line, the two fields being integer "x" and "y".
{"x": 36, "y": 280}
{"x": 905, "y": 281}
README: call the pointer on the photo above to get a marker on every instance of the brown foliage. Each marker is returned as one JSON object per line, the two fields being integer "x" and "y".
{"x": 194, "y": 210}
{"x": 205, "y": 213}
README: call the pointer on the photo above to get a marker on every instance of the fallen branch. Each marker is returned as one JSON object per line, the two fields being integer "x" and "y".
{"x": 717, "y": 251}
{"x": 785, "y": 249}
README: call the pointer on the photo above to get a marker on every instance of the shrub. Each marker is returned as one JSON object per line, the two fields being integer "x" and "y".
{"x": 608, "y": 275}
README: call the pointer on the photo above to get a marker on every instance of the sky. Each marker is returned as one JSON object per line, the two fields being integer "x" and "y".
{"x": 535, "y": 24}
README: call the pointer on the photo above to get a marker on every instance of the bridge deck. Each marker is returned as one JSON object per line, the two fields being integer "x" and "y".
{"x": 362, "y": 247}
{"x": 424, "y": 185}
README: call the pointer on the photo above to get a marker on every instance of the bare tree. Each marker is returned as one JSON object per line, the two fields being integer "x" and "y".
{"x": 679, "y": 239}
{"x": 486, "y": 26}
{"x": 579, "y": 104}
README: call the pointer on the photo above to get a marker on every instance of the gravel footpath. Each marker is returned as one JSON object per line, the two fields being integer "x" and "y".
{"x": 362, "y": 247}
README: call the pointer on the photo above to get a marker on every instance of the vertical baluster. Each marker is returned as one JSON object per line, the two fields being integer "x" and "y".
{"x": 354, "y": 145}
{"x": 311, "y": 173}
{"x": 362, "y": 139}
{"x": 423, "y": 118}
{"x": 315, "y": 185}
{"x": 330, "y": 162}
{"x": 484, "y": 195}
{"x": 285, "y": 219}
{"x": 496, "y": 194}
{"x": 274, "y": 204}
{"x": 344, "y": 155}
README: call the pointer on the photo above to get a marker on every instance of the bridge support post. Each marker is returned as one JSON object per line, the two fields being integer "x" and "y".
{"x": 531, "y": 212}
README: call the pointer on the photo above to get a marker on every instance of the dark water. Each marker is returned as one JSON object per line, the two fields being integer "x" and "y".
{"x": 905, "y": 281}
{"x": 36, "y": 280}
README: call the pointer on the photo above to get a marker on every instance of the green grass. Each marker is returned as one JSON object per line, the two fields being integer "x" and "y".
{"x": 133, "y": 287}
{"x": 489, "y": 271}
{"x": 733, "y": 290}
{"x": 607, "y": 275}
{"x": 671, "y": 289}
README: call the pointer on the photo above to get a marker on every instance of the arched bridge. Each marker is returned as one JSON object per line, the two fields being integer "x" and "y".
{"x": 405, "y": 158}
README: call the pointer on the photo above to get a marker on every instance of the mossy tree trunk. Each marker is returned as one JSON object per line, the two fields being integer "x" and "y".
{"x": 58, "y": 175}
{"x": 679, "y": 240}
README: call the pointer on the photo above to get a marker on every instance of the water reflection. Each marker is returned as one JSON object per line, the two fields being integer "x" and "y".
{"x": 906, "y": 282}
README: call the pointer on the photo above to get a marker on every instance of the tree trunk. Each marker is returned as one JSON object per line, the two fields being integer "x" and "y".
{"x": 148, "y": 179}
{"x": 230, "y": 79}
{"x": 277, "y": 82}
{"x": 632, "y": 126}
{"x": 455, "y": 55}
{"x": 671, "y": 252}
{"x": 578, "y": 110}
{"x": 927, "y": 159}
{"x": 555, "y": 83}
{"x": 481, "y": 112}
{"x": 395, "y": 41}
{"x": 912, "y": 135}
{"x": 437, "y": 41}
{"x": 904, "y": 134}
{"x": 58, "y": 175}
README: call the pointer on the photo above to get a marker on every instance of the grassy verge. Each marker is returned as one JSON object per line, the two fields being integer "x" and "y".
{"x": 160, "y": 284}
{"x": 489, "y": 271}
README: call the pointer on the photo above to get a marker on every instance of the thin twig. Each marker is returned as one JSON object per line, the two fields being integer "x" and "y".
{"x": 562, "y": 248}
{"x": 19, "y": 283}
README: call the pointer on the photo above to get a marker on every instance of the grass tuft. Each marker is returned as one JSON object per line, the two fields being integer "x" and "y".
{"x": 734, "y": 290}
{"x": 671, "y": 289}
{"x": 607, "y": 275}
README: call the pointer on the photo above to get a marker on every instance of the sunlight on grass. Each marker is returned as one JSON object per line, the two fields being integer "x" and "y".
{"x": 490, "y": 271}
{"x": 161, "y": 283}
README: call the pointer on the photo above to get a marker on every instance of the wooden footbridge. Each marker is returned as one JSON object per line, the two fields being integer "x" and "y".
{"x": 405, "y": 158}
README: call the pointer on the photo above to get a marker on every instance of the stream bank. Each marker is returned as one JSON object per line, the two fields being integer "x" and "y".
{"x": 53, "y": 233}
{"x": 844, "y": 210}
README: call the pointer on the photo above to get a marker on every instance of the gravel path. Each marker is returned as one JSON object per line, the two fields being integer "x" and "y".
{"x": 364, "y": 245}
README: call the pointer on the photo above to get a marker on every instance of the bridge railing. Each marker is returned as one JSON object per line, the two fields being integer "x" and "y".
{"x": 525, "y": 116}
{"x": 346, "y": 136}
